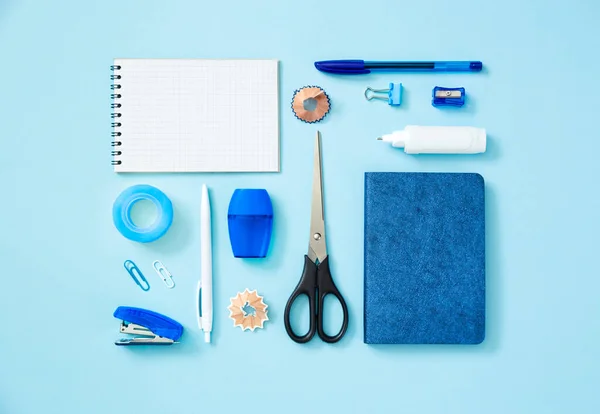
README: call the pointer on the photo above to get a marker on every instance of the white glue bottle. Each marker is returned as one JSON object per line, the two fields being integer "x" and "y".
{"x": 438, "y": 139}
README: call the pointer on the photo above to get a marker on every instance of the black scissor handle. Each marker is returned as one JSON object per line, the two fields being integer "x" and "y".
{"x": 327, "y": 287}
{"x": 306, "y": 286}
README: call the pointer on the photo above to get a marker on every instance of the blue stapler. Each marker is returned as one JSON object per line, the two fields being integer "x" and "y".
{"x": 149, "y": 328}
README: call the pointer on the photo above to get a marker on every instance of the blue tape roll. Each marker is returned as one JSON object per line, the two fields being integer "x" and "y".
{"x": 122, "y": 213}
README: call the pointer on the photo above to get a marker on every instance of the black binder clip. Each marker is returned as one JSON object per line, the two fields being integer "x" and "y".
{"x": 448, "y": 96}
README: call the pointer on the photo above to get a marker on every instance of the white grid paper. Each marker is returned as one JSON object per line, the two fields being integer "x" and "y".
{"x": 198, "y": 115}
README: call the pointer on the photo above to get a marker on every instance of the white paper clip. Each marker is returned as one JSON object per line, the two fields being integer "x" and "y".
{"x": 164, "y": 274}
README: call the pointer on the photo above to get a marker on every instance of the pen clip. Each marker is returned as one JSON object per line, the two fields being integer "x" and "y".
{"x": 199, "y": 304}
{"x": 164, "y": 274}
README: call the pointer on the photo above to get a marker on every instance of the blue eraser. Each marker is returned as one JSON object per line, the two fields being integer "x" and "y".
{"x": 250, "y": 221}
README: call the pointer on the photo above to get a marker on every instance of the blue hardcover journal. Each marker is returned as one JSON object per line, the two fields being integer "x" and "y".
{"x": 424, "y": 258}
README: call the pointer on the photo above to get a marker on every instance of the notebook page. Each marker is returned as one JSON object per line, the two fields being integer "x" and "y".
{"x": 197, "y": 115}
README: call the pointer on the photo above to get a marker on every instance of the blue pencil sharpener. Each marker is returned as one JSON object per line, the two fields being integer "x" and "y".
{"x": 250, "y": 221}
{"x": 448, "y": 96}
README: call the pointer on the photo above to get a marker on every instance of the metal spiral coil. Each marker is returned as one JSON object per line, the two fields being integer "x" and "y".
{"x": 115, "y": 105}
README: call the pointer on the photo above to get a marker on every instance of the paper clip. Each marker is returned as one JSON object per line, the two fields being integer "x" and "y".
{"x": 136, "y": 275}
{"x": 393, "y": 94}
{"x": 164, "y": 274}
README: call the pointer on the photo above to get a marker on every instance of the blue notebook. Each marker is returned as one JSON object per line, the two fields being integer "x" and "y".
{"x": 424, "y": 258}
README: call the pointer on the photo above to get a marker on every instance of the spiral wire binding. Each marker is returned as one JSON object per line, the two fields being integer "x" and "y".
{"x": 115, "y": 105}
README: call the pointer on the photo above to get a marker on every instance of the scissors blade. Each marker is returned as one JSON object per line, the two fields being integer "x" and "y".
{"x": 317, "y": 250}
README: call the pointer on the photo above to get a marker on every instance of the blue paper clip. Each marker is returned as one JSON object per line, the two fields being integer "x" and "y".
{"x": 448, "y": 96}
{"x": 136, "y": 275}
{"x": 393, "y": 95}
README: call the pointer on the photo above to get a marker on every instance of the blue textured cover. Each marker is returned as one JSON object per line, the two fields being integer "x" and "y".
{"x": 424, "y": 258}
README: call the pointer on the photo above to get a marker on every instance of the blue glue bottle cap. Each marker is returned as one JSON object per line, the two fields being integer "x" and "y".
{"x": 250, "y": 220}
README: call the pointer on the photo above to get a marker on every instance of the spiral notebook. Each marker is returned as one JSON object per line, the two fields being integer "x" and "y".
{"x": 195, "y": 115}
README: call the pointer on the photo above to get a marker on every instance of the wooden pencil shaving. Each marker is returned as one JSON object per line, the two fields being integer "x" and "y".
{"x": 310, "y": 104}
{"x": 248, "y": 310}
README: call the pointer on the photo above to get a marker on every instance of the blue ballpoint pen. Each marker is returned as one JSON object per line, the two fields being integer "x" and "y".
{"x": 356, "y": 67}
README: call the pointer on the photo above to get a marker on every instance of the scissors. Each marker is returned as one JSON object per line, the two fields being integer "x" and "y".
{"x": 316, "y": 282}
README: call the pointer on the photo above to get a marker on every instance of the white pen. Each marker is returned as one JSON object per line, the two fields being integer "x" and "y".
{"x": 204, "y": 290}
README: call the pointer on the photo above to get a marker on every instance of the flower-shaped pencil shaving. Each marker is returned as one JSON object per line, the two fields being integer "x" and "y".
{"x": 310, "y": 104}
{"x": 248, "y": 310}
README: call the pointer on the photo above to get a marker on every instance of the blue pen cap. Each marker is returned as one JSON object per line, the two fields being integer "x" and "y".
{"x": 250, "y": 221}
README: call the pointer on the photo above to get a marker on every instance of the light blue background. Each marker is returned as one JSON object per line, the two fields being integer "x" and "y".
{"x": 61, "y": 257}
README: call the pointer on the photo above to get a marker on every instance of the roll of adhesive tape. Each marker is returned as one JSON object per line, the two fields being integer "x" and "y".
{"x": 122, "y": 213}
